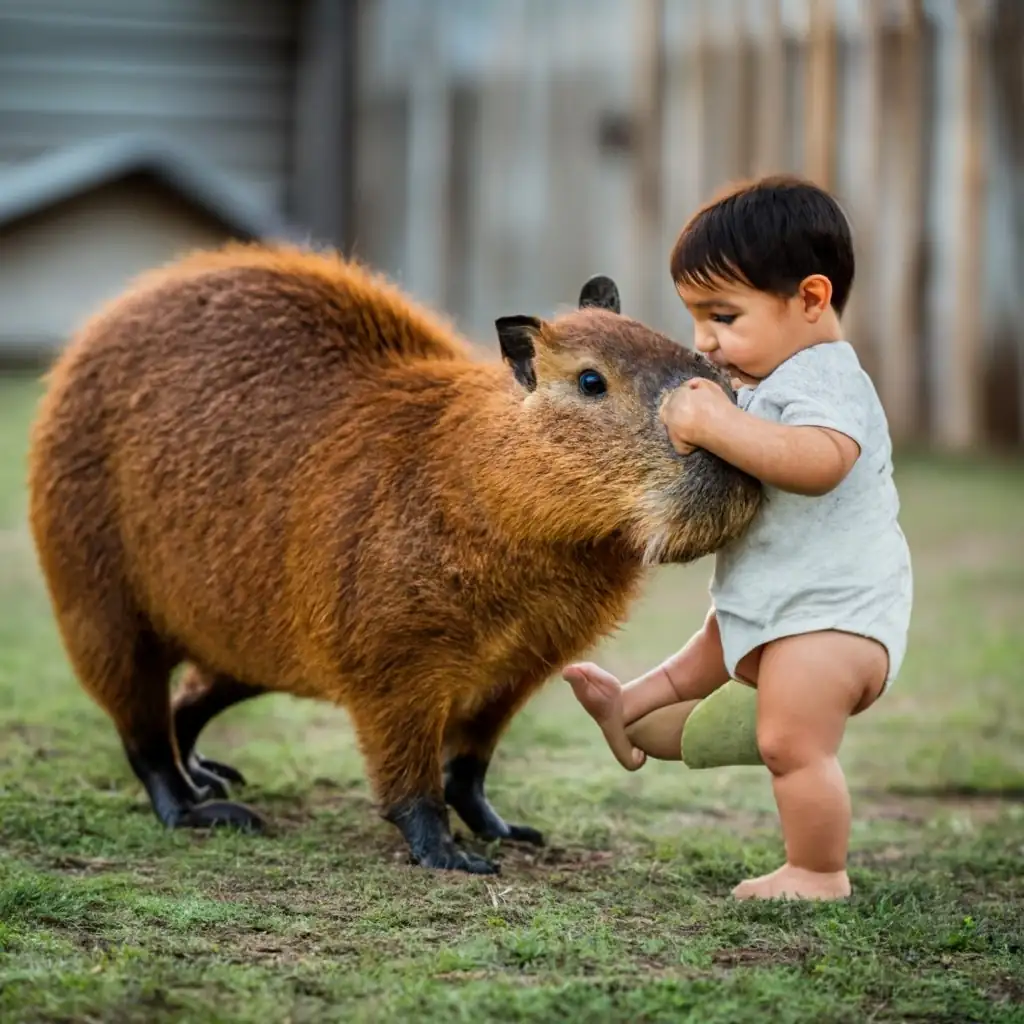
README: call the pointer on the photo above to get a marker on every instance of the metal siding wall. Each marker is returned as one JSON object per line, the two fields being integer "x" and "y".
{"x": 216, "y": 74}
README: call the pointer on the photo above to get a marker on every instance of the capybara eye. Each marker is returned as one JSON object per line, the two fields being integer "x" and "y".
{"x": 592, "y": 384}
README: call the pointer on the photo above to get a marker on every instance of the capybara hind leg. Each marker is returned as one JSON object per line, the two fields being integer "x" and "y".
{"x": 201, "y": 697}
{"x": 472, "y": 745}
{"x": 138, "y": 701}
{"x": 175, "y": 799}
{"x": 403, "y": 758}
{"x": 464, "y": 792}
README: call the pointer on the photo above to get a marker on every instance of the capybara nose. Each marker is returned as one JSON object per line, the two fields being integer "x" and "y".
{"x": 708, "y": 372}
{"x": 704, "y": 367}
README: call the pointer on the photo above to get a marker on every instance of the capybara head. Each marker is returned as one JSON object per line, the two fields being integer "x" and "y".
{"x": 591, "y": 384}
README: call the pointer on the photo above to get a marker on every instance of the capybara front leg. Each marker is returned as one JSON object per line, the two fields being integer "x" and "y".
{"x": 201, "y": 697}
{"x": 474, "y": 741}
{"x": 423, "y": 821}
{"x": 402, "y": 748}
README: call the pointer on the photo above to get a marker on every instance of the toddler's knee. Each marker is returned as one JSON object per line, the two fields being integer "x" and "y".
{"x": 784, "y": 751}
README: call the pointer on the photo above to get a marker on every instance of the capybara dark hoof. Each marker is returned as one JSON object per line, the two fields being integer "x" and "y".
{"x": 223, "y": 771}
{"x": 222, "y": 813}
{"x": 510, "y": 833}
{"x": 524, "y": 834}
{"x": 459, "y": 860}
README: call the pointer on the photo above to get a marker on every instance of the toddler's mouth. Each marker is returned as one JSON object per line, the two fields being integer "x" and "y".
{"x": 739, "y": 378}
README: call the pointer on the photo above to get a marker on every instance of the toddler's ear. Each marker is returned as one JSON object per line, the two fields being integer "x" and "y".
{"x": 816, "y": 293}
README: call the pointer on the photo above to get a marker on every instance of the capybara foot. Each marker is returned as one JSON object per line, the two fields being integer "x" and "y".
{"x": 179, "y": 799}
{"x": 225, "y": 771}
{"x": 213, "y": 775}
{"x": 454, "y": 859}
{"x": 202, "y": 779}
{"x": 424, "y": 824}
{"x": 464, "y": 793}
{"x": 524, "y": 834}
{"x": 222, "y": 813}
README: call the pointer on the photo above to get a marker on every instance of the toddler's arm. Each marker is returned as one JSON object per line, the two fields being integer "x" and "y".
{"x": 805, "y": 460}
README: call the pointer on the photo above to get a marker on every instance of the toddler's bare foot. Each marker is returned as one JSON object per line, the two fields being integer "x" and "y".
{"x": 597, "y": 690}
{"x": 789, "y": 882}
{"x": 601, "y": 695}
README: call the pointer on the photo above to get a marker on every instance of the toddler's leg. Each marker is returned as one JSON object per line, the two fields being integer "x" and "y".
{"x": 600, "y": 693}
{"x": 693, "y": 672}
{"x": 660, "y": 734}
{"x": 669, "y": 691}
{"x": 808, "y": 686}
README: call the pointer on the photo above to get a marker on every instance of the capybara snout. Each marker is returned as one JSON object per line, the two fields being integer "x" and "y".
{"x": 273, "y": 466}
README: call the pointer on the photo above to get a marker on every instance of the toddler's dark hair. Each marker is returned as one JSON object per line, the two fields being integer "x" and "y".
{"x": 769, "y": 234}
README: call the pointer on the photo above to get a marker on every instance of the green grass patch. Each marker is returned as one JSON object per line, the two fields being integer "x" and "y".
{"x": 625, "y": 916}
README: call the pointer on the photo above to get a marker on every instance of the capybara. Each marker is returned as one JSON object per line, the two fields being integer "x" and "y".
{"x": 272, "y": 465}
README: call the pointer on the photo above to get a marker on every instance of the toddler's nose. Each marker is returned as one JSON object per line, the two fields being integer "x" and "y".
{"x": 706, "y": 342}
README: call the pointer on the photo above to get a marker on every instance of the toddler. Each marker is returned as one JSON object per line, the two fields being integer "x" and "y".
{"x": 812, "y": 605}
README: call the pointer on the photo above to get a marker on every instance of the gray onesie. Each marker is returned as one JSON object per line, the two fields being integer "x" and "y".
{"x": 839, "y": 561}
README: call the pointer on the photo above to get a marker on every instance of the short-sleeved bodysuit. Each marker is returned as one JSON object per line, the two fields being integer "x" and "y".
{"x": 839, "y": 561}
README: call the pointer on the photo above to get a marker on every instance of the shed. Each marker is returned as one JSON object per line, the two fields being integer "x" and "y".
{"x": 77, "y": 224}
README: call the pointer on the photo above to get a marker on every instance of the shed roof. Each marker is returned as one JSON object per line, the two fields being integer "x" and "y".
{"x": 30, "y": 187}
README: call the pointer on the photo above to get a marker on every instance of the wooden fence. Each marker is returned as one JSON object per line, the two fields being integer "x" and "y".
{"x": 510, "y": 148}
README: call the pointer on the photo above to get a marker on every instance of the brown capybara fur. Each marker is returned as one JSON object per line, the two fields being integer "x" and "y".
{"x": 272, "y": 465}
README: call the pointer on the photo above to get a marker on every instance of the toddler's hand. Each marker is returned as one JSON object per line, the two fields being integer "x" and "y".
{"x": 601, "y": 694}
{"x": 690, "y": 412}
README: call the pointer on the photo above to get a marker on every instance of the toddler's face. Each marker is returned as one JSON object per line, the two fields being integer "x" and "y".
{"x": 743, "y": 330}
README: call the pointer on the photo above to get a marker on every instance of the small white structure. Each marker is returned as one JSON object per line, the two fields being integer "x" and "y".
{"x": 76, "y": 225}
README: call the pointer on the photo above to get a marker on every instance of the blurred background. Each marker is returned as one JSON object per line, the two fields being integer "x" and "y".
{"x": 492, "y": 154}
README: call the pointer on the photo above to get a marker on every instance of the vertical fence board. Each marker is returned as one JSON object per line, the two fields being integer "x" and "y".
{"x": 900, "y": 302}
{"x": 863, "y": 189}
{"x": 428, "y": 160}
{"x": 960, "y": 426}
{"x": 819, "y": 95}
{"x": 769, "y": 129}
{"x": 648, "y": 122}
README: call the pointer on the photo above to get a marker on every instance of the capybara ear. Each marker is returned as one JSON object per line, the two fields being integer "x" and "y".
{"x": 516, "y": 335}
{"x": 601, "y": 291}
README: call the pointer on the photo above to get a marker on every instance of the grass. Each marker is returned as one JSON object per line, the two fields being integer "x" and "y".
{"x": 104, "y": 916}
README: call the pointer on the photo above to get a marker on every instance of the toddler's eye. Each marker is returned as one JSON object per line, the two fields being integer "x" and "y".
{"x": 592, "y": 384}
{"x": 723, "y": 318}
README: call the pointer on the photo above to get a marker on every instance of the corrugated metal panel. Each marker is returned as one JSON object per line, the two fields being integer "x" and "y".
{"x": 216, "y": 74}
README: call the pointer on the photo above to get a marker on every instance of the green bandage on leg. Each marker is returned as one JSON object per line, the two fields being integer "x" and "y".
{"x": 722, "y": 729}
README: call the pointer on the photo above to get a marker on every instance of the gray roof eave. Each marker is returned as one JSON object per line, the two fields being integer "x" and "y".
{"x": 62, "y": 174}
